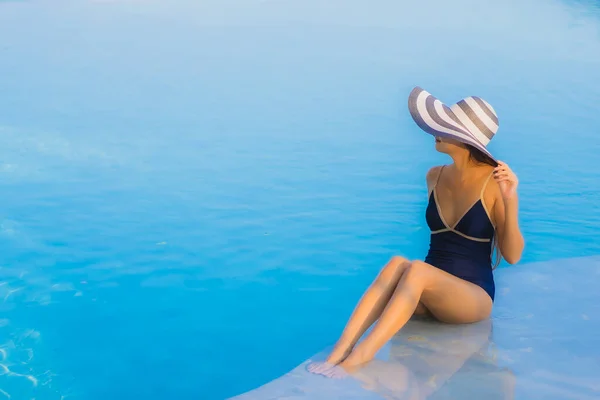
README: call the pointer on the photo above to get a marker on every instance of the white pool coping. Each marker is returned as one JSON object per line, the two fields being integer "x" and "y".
{"x": 542, "y": 342}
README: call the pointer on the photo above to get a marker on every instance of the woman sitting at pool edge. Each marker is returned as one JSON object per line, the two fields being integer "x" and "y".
{"x": 468, "y": 214}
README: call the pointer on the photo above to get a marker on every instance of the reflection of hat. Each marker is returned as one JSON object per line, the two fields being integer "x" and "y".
{"x": 472, "y": 120}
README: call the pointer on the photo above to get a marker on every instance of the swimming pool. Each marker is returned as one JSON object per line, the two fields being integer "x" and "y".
{"x": 195, "y": 195}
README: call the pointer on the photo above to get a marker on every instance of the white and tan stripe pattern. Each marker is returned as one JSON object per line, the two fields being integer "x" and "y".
{"x": 471, "y": 120}
{"x": 473, "y": 116}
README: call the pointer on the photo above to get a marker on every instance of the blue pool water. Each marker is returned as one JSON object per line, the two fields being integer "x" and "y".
{"x": 195, "y": 194}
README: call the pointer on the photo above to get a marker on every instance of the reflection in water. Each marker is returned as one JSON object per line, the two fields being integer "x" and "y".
{"x": 431, "y": 360}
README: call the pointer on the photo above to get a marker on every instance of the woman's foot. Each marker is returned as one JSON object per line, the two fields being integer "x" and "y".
{"x": 356, "y": 359}
{"x": 327, "y": 367}
{"x": 327, "y": 370}
{"x": 339, "y": 354}
{"x": 350, "y": 363}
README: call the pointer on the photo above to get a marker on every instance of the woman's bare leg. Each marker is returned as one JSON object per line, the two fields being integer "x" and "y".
{"x": 448, "y": 298}
{"x": 369, "y": 308}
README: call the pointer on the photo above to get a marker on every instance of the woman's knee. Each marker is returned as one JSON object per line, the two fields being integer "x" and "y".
{"x": 393, "y": 269}
{"x": 417, "y": 273}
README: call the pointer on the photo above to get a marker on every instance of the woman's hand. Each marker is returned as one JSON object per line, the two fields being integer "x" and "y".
{"x": 507, "y": 181}
{"x": 511, "y": 241}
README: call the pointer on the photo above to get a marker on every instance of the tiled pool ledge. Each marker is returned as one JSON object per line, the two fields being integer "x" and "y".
{"x": 542, "y": 342}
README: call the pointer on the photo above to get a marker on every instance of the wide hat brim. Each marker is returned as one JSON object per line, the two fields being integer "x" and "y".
{"x": 437, "y": 119}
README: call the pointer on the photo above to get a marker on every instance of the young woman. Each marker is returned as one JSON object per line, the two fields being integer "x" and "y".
{"x": 473, "y": 208}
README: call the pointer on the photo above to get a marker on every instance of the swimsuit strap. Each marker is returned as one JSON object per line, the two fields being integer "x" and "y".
{"x": 438, "y": 177}
{"x": 484, "y": 184}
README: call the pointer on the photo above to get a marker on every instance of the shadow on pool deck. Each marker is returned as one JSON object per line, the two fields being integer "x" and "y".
{"x": 541, "y": 343}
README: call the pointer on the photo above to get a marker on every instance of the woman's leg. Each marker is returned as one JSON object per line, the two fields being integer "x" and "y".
{"x": 369, "y": 308}
{"x": 448, "y": 298}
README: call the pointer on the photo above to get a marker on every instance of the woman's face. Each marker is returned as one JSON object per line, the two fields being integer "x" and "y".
{"x": 446, "y": 145}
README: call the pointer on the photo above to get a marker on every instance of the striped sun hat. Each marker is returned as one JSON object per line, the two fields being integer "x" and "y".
{"x": 472, "y": 120}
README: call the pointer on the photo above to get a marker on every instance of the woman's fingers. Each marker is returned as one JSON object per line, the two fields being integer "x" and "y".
{"x": 506, "y": 177}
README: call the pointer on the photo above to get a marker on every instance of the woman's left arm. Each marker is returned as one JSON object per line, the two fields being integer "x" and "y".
{"x": 510, "y": 239}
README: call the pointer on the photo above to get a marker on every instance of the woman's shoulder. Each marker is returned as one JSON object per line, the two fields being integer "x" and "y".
{"x": 433, "y": 173}
{"x": 491, "y": 191}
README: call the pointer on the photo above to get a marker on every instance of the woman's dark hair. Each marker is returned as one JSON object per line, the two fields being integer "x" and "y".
{"x": 480, "y": 157}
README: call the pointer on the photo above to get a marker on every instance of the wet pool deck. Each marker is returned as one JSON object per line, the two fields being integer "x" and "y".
{"x": 542, "y": 342}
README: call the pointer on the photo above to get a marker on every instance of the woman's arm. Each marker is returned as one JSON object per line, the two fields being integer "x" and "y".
{"x": 510, "y": 238}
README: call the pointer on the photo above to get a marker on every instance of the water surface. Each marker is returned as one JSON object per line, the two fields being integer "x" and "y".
{"x": 195, "y": 191}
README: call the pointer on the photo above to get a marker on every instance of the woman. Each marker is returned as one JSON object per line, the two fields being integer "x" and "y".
{"x": 473, "y": 208}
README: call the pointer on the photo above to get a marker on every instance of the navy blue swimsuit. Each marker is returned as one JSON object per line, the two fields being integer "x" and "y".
{"x": 465, "y": 249}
